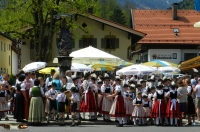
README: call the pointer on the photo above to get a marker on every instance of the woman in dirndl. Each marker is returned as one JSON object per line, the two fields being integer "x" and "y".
{"x": 106, "y": 103}
{"x": 95, "y": 92}
{"x": 36, "y": 110}
{"x": 173, "y": 109}
{"x": 3, "y": 103}
{"x": 118, "y": 108}
{"x": 28, "y": 83}
{"x": 159, "y": 107}
{"x": 20, "y": 97}
{"x": 89, "y": 102}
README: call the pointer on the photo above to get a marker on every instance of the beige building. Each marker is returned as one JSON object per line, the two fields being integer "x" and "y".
{"x": 8, "y": 56}
{"x": 103, "y": 34}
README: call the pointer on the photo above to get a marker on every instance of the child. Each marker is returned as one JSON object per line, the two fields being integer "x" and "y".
{"x": 61, "y": 106}
{"x": 173, "y": 109}
{"x": 74, "y": 100}
{"x": 47, "y": 104}
{"x": 146, "y": 107}
{"x": 52, "y": 99}
{"x": 3, "y": 103}
{"x": 11, "y": 100}
{"x": 138, "y": 111}
{"x": 159, "y": 108}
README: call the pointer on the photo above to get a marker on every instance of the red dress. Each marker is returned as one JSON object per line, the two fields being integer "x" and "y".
{"x": 27, "y": 104}
{"x": 88, "y": 104}
{"x": 159, "y": 107}
{"x": 173, "y": 109}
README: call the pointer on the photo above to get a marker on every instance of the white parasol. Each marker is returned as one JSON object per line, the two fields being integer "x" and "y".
{"x": 34, "y": 66}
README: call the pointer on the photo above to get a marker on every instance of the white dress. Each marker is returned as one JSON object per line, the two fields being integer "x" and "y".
{"x": 106, "y": 103}
{"x": 138, "y": 111}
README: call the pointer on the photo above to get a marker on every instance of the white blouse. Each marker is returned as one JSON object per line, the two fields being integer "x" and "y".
{"x": 103, "y": 88}
{"x": 23, "y": 86}
{"x": 61, "y": 97}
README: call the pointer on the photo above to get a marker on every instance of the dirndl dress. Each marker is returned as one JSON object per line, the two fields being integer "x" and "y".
{"x": 191, "y": 106}
{"x": 159, "y": 109}
{"x": 106, "y": 103}
{"x": 4, "y": 106}
{"x": 89, "y": 103}
{"x": 138, "y": 111}
{"x": 100, "y": 97}
{"x": 173, "y": 109}
{"x": 36, "y": 110}
{"x": 129, "y": 107}
{"x": 147, "y": 110}
{"x": 118, "y": 108}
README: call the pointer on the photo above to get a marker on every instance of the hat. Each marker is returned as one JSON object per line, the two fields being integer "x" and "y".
{"x": 142, "y": 81}
{"x": 165, "y": 79}
{"x": 99, "y": 81}
{"x": 54, "y": 84}
{"x": 49, "y": 84}
{"x": 53, "y": 70}
{"x": 138, "y": 85}
{"x": 74, "y": 77}
{"x": 132, "y": 88}
{"x": 159, "y": 85}
{"x": 152, "y": 88}
{"x": 62, "y": 89}
{"x": 73, "y": 89}
{"x": 86, "y": 74}
{"x": 94, "y": 75}
{"x": 125, "y": 85}
{"x": 14, "y": 87}
{"x": 152, "y": 78}
{"x": 173, "y": 85}
{"x": 106, "y": 76}
{"x": 117, "y": 79}
{"x": 144, "y": 95}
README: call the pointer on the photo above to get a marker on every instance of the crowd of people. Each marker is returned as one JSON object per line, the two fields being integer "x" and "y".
{"x": 131, "y": 100}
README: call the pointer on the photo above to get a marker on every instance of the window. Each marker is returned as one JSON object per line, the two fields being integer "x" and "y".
{"x": 5, "y": 47}
{"x": 145, "y": 58}
{"x": 109, "y": 43}
{"x": 174, "y": 55}
{"x": 9, "y": 60}
{"x": 1, "y": 46}
{"x": 188, "y": 56}
{"x": 87, "y": 41}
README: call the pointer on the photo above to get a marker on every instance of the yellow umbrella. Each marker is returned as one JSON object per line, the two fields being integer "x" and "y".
{"x": 102, "y": 64}
{"x": 105, "y": 69}
{"x": 47, "y": 70}
{"x": 125, "y": 63}
{"x": 159, "y": 63}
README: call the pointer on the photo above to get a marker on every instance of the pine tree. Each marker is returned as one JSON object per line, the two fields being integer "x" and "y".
{"x": 118, "y": 16}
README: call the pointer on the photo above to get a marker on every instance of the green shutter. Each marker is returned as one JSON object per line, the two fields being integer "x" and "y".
{"x": 103, "y": 43}
{"x": 94, "y": 42}
{"x": 116, "y": 43}
{"x": 81, "y": 43}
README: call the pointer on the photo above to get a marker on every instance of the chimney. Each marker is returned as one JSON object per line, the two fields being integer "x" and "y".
{"x": 174, "y": 11}
{"x": 90, "y": 10}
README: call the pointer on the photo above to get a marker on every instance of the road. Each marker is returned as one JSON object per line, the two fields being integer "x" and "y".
{"x": 104, "y": 128}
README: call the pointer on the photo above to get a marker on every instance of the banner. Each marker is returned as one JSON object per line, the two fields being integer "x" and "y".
{"x": 197, "y": 5}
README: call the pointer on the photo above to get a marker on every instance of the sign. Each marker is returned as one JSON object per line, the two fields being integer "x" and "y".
{"x": 165, "y": 56}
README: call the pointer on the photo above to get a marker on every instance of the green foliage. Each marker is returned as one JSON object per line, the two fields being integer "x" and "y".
{"x": 186, "y": 4}
{"x": 35, "y": 19}
{"x": 12, "y": 79}
{"x": 118, "y": 16}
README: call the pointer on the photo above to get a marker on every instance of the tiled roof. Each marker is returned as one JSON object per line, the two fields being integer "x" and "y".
{"x": 159, "y": 25}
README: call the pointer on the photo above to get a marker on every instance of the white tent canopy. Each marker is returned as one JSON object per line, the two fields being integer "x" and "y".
{"x": 136, "y": 70}
{"x": 91, "y": 55}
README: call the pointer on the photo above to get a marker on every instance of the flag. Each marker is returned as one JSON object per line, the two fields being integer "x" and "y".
{"x": 197, "y": 5}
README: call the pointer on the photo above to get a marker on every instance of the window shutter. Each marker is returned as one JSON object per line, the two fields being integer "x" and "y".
{"x": 94, "y": 42}
{"x": 103, "y": 43}
{"x": 81, "y": 43}
{"x": 73, "y": 43}
{"x": 116, "y": 43}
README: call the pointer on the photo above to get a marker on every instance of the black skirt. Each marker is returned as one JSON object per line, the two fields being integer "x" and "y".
{"x": 74, "y": 107}
{"x": 53, "y": 105}
{"x": 19, "y": 107}
{"x": 61, "y": 106}
{"x": 191, "y": 106}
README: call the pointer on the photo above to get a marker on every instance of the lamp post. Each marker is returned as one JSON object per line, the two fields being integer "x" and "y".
{"x": 19, "y": 46}
{"x": 64, "y": 45}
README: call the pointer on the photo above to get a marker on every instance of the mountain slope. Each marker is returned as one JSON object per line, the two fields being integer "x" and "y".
{"x": 151, "y": 4}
